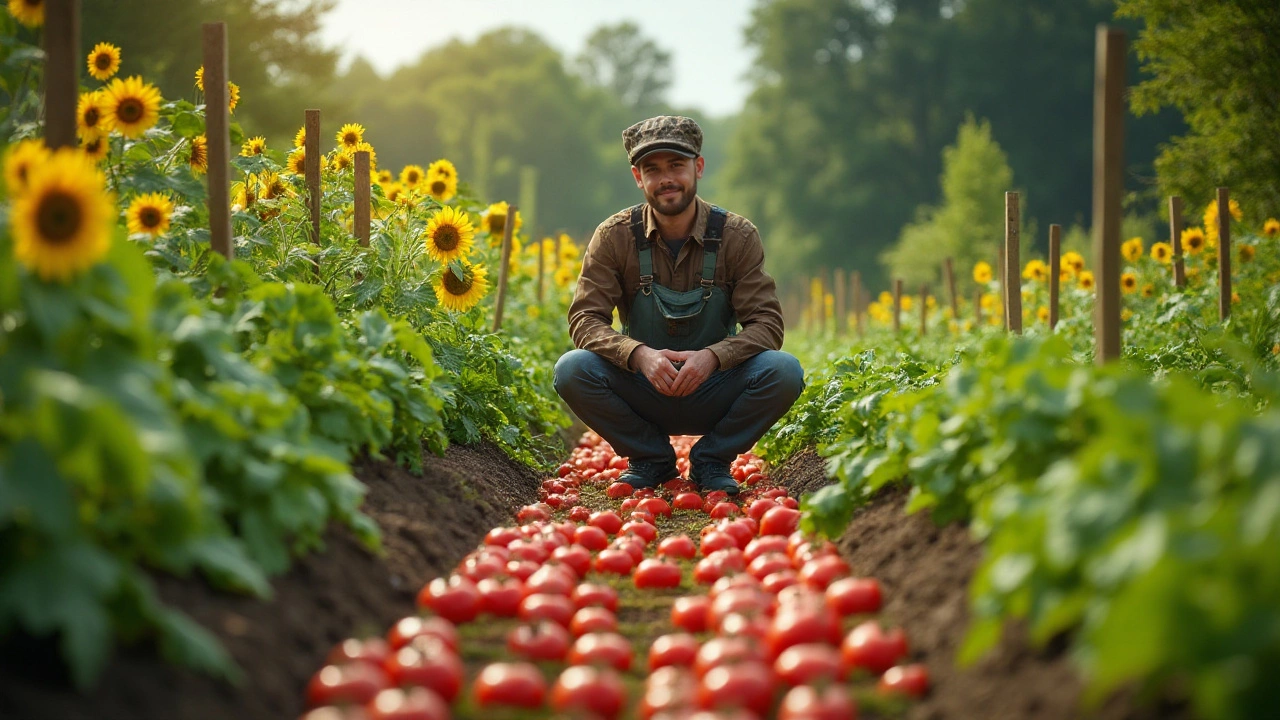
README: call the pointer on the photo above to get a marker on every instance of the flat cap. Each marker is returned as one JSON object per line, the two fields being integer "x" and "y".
{"x": 665, "y": 132}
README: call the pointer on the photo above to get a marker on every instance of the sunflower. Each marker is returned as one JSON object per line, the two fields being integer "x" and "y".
{"x": 385, "y": 177}
{"x": 461, "y": 295}
{"x": 907, "y": 303}
{"x": 133, "y": 106}
{"x": 104, "y": 61}
{"x": 1193, "y": 241}
{"x": 1162, "y": 252}
{"x": 92, "y": 114}
{"x": 300, "y": 137}
{"x": 441, "y": 188}
{"x": 149, "y": 214}
{"x": 1148, "y": 290}
{"x": 1035, "y": 270}
{"x": 442, "y": 169}
{"x": 564, "y": 277}
{"x": 1245, "y": 253}
{"x": 340, "y": 161}
{"x": 95, "y": 147}
{"x": 373, "y": 155}
{"x": 244, "y": 194}
{"x": 253, "y": 146}
{"x": 1193, "y": 276}
{"x": 1128, "y": 283}
{"x": 1042, "y": 314}
{"x": 22, "y": 159}
{"x": 27, "y": 12}
{"x": 62, "y": 223}
{"x": 411, "y": 175}
{"x": 1086, "y": 280}
{"x": 394, "y": 191}
{"x": 1211, "y": 215}
{"x": 449, "y": 235}
{"x": 1271, "y": 228}
{"x": 272, "y": 186}
{"x": 495, "y": 221}
{"x": 350, "y": 135}
{"x": 568, "y": 248}
{"x": 989, "y": 301}
{"x": 233, "y": 96}
{"x": 1131, "y": 250}
{"x": 199, "y": 159}
{"x": 200, "y": 78}
{"x": 1235, "y": 297}
{"x": 1073, "y": 260}
{"x": 885, "y": 298}
{"x": 982, "y": 272}
{"x": 297, "y": 162}
{"x": 1125, "y": 315}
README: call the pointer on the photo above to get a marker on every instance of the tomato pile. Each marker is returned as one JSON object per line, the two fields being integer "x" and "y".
{"x": 771, "y": 623}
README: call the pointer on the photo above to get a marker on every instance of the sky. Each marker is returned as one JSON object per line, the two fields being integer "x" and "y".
{"x": 704, "y": 37}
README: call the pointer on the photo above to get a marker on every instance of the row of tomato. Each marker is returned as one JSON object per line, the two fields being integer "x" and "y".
{"x": 772, "y": 620}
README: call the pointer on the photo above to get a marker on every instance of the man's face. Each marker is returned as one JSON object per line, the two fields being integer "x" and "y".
{"x": 669, "y": 180}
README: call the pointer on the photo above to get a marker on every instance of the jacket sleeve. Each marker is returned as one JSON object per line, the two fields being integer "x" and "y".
{"x": 598, "y": 292}
{"x": 755, "y": 301}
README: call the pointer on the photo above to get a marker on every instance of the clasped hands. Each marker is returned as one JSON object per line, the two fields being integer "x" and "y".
{"x": 659, "y": 367}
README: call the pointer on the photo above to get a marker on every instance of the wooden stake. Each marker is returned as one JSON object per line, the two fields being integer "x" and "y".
{"x": 1012, "y": 264}
{"x": 362, "y": 199}
{"x": 1055, "y": 272}
{"x": 842, "y": 311}
{"x": 217, "y": 134}
{"x": 542, "y": 252}
{"x": 1108, "y": 186}
{"x": 949, "y": 273}
{"x": 61, "y": 71}
{"x": 503, "y": 271}
{"x": 1224, "y": 254}
{"x": 1175, "y": 240}
{"x": 924, "y": 310}
{"x": 311, "y": 149}
{"x": 897, "y": 305}
{"x": 857, "y": 301}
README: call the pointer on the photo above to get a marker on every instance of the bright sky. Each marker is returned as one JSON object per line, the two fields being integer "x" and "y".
{"x": 703, "y": 36}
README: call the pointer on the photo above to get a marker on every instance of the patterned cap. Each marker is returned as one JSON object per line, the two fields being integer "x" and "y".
{"x": 666, "y": 132}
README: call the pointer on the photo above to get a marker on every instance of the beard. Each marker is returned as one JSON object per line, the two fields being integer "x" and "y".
{"x": 673, "y": 205}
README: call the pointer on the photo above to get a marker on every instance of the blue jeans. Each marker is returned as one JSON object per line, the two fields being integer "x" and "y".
{"x": 730, "y": 410}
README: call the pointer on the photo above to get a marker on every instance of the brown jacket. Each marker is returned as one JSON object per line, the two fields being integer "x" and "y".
{"x": 611, "y": 277}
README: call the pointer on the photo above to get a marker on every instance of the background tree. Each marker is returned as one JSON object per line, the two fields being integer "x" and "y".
{"x": 630, "y": 66}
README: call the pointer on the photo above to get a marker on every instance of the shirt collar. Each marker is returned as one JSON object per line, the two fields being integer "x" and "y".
{"x": 699, "y": 220}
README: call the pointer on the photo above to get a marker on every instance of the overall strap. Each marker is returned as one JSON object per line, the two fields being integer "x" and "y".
{"x": 711, "y": 248}
{"x": 644, "y": 248}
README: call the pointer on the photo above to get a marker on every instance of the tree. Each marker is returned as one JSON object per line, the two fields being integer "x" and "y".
{"x": 631, "y": 66}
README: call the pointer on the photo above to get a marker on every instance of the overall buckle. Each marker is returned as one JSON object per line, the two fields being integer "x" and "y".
{"x": 646, "y": 284}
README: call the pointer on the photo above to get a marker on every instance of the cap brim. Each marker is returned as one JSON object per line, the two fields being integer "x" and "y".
{"x": 641, "y": 153}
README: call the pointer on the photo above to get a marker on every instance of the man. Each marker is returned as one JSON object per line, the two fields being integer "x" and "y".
{"x": 683, "y": 275}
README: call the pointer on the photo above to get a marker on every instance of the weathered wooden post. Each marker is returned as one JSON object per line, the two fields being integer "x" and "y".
{"x": 61, "y": 71}
{"x": 1055, "y": 272}
{"x": 897, "y": 305}
{"x": 1224, "y": 254}
{"x": 217, "y": 133}
{"x": 1108, "y": 186}
{"x": 857, "y": 301}
{"x": 1175, "y": 240}
{"x": 949, "y": 273}
{"x": 542, "y": 253}
{"x": 924, "y": 310}
{"x": 505, "y": 268}
{"x": 1012, "y": 264}
{"x": 362, "y": 200}
{"x": 842, "y": 310}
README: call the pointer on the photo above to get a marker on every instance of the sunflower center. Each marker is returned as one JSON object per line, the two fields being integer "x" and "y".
{"x": 412, "y": 177}
{"x": 102, "y": 61}
{"x": 438, "y": 187}
{"x": 149, "y": 217}
{"x": 91, "y": 117}
{"x": 59, "y": 217}
{"x": 446, "y": 238}
{"x": 34, "y": 3}
{"x": 497, "y": 223}
{"x": 350, "y": 139}
{"x": 130, "y": 110}
{"x": 454, "y": 286}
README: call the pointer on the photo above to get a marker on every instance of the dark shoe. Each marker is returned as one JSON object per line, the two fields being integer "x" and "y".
{"x": 710, "y": 477}
{"x": 643, "y": 474}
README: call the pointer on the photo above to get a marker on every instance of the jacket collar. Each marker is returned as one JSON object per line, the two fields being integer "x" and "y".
{"x": 699, "y": 220}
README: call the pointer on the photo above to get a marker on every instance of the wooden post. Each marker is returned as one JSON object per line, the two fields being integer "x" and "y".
{"x": 542, "y": 253}
{"x": 362, "y": 200}
{"x": 1175, "y": 240}
{"x": 1012, "y": 263}
{"x": 217, "y": 134}
{"x": 842, "y": 310}
{"x": 949, "y": 273}
{"x": 924, "y": 310}
{"x": 1108, "y": 186}
{"x": 505, "y": 269}
{"x": 1055, "y": 272}
{"x": 1224, "y": 254}
{"x": 857, "y": 301}
{"x": 977, "y": 308}
{"x": 311, "y": 148}
{"x": 897, "y": 305}
{"x": 61, "y": 71}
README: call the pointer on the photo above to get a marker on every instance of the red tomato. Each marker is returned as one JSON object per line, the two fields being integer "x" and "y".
{"x": 531, "y": 550}
{"x": 724, "y": 509}
{"x": 654, "y": 573}
{"x": 746, "y": 685}
{"x": 593, "y": 619}
{"x": 576, "y": 557}
{"x": 372, "y": 650}
{"x": 500, "y": 598}
{"x": 911, "y": 680}
{"x": 550, "y": 580}
{"x": 427, "y": 662}
{"x": 606, "y": 648}
{"x": 581, "y": 513}
{"x": 595, "y": 692}
{"x": 564, "y": 469}
{"x": 779, "y": 521}
{"x": 868, "y": 647}
{"x": 687, "y": 501}
{"x": 774, "y": 493}
{"x": 545, "y": 641}
{"x": 643, "y": 516}
{"x": 656, "y": 506}
{"x": 716, "y": 496}
{"x": 618, "y": 462}
{"x": 413, "y": 704}
{"x": 606, "y": 520}
{"x": 725, "y": 651}
{"x": 765, "y": 544}
{"x": 754, "y": 479}
{"x": 801, "y": 625}
{"x": 414, "y": 626}
{"x": 745, "y": 600}
{"x": 789, "y": 502}
{"x": 629, "y": 505}
{"x": 754, "y": 627}
{"x": 779, "y": 581}
{"x": 853, "y": 595}
{"x": 641, "y": 529}
{"x": 613, "y": 560}
{"x": 556, "y": 608}
{"x": 633, "y": 545}
{"x": 717, "y": 540}
{"x": 809, "y": 664}
{"x": 757, "y": 509}
{"x": 511, "y": 685}
{"x": 768, "y": 564}
{"x": 591, "y": 595}
{"x": 619, "y": 490}
{"x": 678, "y": 649}
{"x": 501, "y": 536}
{"x": 351, "y": 684}
{"x": 820, "y": 572}
{"x": 690, "y": 613}
{"x": 741, "y": 530}
{"x": 455, "y": 599}
{"x": 477, "y": 567}
{"x": 522, "y": 569}
{"x": 529, "y": 513}
{"x": 669, "y": 692}
{"x": 808, "y": 703}
{"x": 677, "y": 546}
{"x": 739, "y": 473}
{"x": 592, "y": 537}
{"x": 731, "y": 582}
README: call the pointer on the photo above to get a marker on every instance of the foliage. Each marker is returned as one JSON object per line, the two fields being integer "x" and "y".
{"x": 632, "y": 67}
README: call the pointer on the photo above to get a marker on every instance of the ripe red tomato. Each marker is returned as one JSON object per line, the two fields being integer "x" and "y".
{"x": 746, "y": 685}
{"x": 754, "y": 627}
{"x": 415, "y": 626}
{"x": 643, "y": 516}
{"x": 455, "y": 599}
{"x": 768, "y": 564}
{"x": 544, "y": 641}
{"x": 426, "y": 662}
{"x": 854, "y": 595}
{"x": 371, "y": 650}
{"x": 655, "y": 573}
{"x": 605, "y": 648}
{"x": 556, "y": 608}
{"x": 641, "y": 529}
{"x": 779, "y": 581}
{"x": 716, "y": 496}
{"x": 741, "y": 530}
{"x": 809, "y": 664}
{"x": 690, "y": 613}
{"x": 564, "y": 469}
{"x": 676, "y": 649}
{"x": 717, "y": 540}
{"x": 733, "y": 581}
{"x": 808, "y": 703}
{"x": 618, "y": 462}
{"x": 352, "y": 684}
{"x": 509, "y": 684}
{"x": 779, "y": 521}
{"x": 522, "y": 569}
{"x": 868, "y": 647}
{"x": 910, "y": 680}
{"x": 550, "y": 580}
{"x": 531, "y": 550}
{"x": 670, "y": 693}
{"x": 619, "y": 490}
{"x": 677, "y": 546}
{"x": 744, "y": 600}
{"x": 800, "y": 625}
{"x": 789, "y": 503}
{"x": 575, "y": 557}
{"x": 606, "y": 520}
{"x": 725, "y": 651}
{"x": 501, "y": 536}
{"x": 687, "y": 501}
{"x": 593, "y": 619}
{"x": 413, "y": 704}
{"x": 820, "y": 572}
{"x": 656, "y": 506}
{"x": 633, "y": 545}
{"x": 594, "y": 692}
{"x": 529, "y": 513}
{"x": 614, "y": 560}
{"x": 592, "y": 537}
{"x": 724, "y": 509}
{"x": 581, "y": 513}
{"x": 591, "y": 595}
{"x": 500, "y": 598}
{"x": 758, "y": 508}
{"x": 754, "y": 479}
{"x": 764, "y": 544}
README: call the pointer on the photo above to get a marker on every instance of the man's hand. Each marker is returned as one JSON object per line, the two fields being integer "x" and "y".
{"x": 656, "y": 366}
{"x": 698, "y": 366}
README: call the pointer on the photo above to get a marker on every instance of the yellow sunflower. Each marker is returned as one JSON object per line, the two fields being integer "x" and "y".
{"x": 272, "y": 186}
{"x": 27, "y": 12}
{"x": 564, "y": 277}
{"x": 297, "y": 162}
{"x": 1042, "y": 314}
{"x": 93, "y": 114}
{"x": 1193, "y": 276}
{"x": 989, "y": 301}
{"x": 340, "y": 161}
{"x": 449, "y": 235}
{"x": 885, "y": 298}
{"x": 1128, "y": 283}
{"x": 1162, "y": 252}
{"x": 494, "y": 221}
{"x": 1211, "y": 214}
{"x": 1126, "y": 314}
{"x": 1148, "y": 290}
{"x": 149, "y": 214}
{"x": 441, "y": 188}
{"x": 394, "y": 191}
{"x": 350, "y": 135}
{"x": 1035, "y": 270}
{"x": 373, "y": 155}
{"x": 1245, "y": 253}
{"x": 385, "y": 177}
{"x": 104, "y": 61}
{"x": 300, "y": 137}
{"x": 1192, "y": 241}
{"x": 200, "y": 78}
{"x": 1073, "y": 260}
{"x": 1131, "y": 250}
{"x": 19, "y": 163}
{"x": 95, "y": 147}
{"x": 461, "y": 295}
{"x": 411, "y": 175}
{"x": 982, "y": 272}
{"x": 133, "y": 106}
{"x": 1271, "y": 228}
{"x": 233, "y": 96}
{"x": 568, "y": 248}
{"x": 62, "y": 224}
{"x": 1086, "y": 280}
{"x": 253, "y": 146}
{"x": 907, "y": 303}
{"x": 244, "y": 194}
{"x": 199, "y": 159}
{"x": 444, "y": 170}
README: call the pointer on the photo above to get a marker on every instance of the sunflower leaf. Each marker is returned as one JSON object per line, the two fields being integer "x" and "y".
{"x": 455, "y": 266}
